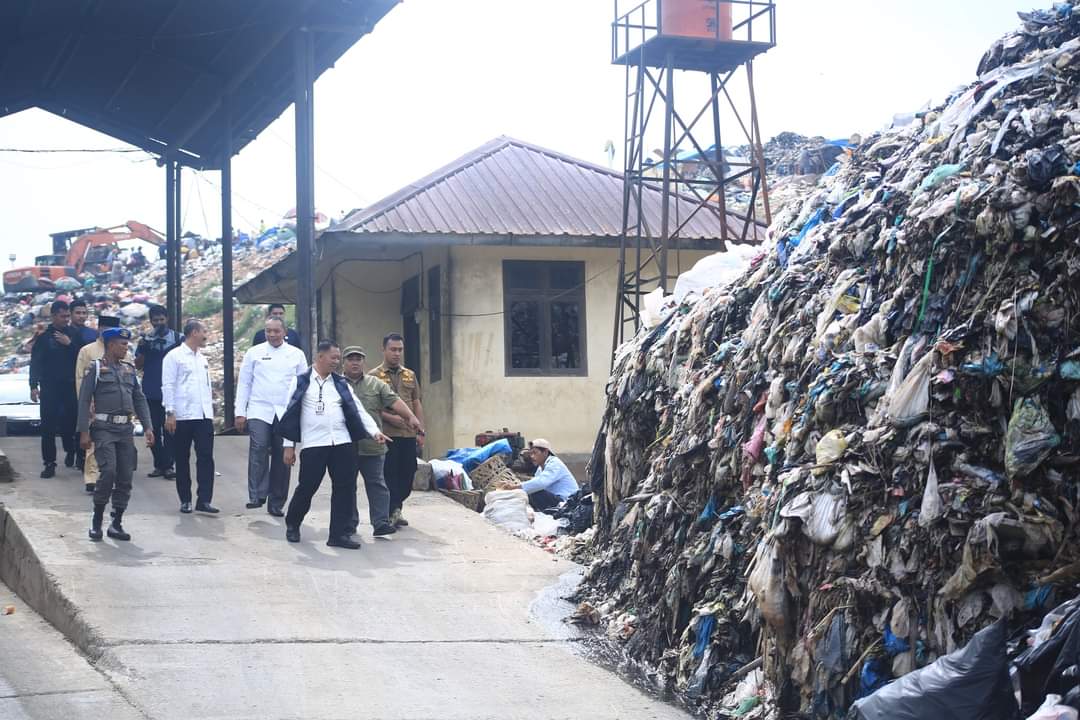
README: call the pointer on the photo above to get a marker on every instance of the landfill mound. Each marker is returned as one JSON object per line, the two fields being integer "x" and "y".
{"x": 849, "y": 461}
{"x": 790, "y": 153}
{"x": 793, "y": 164}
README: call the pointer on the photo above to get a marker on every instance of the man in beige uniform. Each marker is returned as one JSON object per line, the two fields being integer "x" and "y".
{"x": 87, "y": 355}
{"x": 401, "y": 453}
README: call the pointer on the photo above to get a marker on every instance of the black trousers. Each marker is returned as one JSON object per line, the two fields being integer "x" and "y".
{"x": 59, "y": 411}
{"x": 543, "y": 500}
{"x": 201, "y": 434}
{"x": 163, "y": 458}
{"x": 340, "y": 461}
{"x": 399, "y": 470}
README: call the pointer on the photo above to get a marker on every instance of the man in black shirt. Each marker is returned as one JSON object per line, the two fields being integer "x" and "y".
{"x": 148, "y": 357}
{"x": 52, "y": 381}
{"x": 80, "y": 313}
{"x": 277, "y": 311}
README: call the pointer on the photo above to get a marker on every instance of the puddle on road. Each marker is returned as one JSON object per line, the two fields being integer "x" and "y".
{"x": 550, "y": 609}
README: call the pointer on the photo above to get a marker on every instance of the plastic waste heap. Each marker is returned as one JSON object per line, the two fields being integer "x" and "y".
{"x": 865, "y": 450}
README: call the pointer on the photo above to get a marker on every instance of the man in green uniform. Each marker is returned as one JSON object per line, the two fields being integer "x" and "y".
{"x": 111, "y": 388}
{"x": 401, "y": 456}
{"x": 376, "y": 396}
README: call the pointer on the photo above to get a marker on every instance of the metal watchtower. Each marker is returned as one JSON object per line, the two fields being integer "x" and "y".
{"x": 659, "y": 41}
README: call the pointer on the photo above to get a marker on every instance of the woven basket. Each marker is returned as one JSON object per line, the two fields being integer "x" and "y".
{"x": 490, "y": 471}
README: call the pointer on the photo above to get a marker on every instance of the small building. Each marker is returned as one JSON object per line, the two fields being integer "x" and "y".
{"x": 501, "y": 272}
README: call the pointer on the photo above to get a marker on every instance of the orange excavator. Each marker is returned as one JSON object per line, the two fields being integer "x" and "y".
{"x": 90, "y": 250}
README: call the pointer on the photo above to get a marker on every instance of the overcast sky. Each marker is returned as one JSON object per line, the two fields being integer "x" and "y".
{"x": 437, "y": 78}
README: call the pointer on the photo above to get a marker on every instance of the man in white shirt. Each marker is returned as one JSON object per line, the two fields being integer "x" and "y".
{"x": 261, "y": 397}
{"x": 189, "y": 416}
{"x": 325, "y": 415}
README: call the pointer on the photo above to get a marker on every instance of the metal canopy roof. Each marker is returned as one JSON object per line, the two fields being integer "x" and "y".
{"x": 153, "y": 74}
{"x": 514, "y": 188}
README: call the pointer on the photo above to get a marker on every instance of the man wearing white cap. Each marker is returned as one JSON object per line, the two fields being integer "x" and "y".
{"x": 552, "y": 482}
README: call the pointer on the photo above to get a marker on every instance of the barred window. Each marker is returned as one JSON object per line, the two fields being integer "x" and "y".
{"x": 544, "y": 316}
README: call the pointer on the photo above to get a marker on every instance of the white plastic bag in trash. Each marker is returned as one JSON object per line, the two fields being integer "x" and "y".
{"x": 545, "y": 525}
{"x": 931, "y": 508}
{"x": 766, "y": 582}
{"x": 911, "y": 401}
{"x": 509, "y": 509}
{"x": 655, "y": 310}
{"x": 1052, "y": 709}
{"x": 822, "y": 515}
{"x": 714, "y": 270}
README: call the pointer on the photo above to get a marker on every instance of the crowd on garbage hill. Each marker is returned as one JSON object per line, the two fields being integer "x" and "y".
{"x": 815, "y": 483}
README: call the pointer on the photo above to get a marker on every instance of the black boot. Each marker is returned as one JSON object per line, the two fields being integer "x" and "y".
{"x": 116, "y": 530}
{"x": 95, "y": 522}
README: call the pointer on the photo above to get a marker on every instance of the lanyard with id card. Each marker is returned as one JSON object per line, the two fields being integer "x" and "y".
{"x": 320, "y": 406}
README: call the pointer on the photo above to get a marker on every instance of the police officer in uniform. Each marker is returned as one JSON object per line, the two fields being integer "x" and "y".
{"x": 87, "y": 355}
{"x": 111, "y": 387}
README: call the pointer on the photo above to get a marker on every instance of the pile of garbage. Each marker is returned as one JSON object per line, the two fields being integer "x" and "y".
{"x": 790, "y": 153}
{"x": 131, "y": 289}
{"x": 839, "y": 468}
{"x": 793, "y": 164}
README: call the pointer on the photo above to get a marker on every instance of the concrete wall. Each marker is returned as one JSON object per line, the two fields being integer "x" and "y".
{"x": 367, "y": 295}
{"x": 565, "y": 410}
{"x": 438, "y": 395}
{"x": 474, "y": 393}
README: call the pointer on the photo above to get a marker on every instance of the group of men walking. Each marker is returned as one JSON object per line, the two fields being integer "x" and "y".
{"x": 363, "y": 422}
{"x": 339, "y": 422}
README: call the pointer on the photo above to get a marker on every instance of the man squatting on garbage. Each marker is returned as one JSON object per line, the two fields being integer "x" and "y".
{"x": 111, "y": 388}
{"x": 552, "y": 482}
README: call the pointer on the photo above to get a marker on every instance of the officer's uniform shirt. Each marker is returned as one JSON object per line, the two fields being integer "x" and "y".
{"x": 407, "y": 386}
{"x": 112, "y": 389}
{"x": 87, "y": 355}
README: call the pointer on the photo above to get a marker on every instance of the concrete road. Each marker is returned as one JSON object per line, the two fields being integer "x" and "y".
{"x": 43, "y": 676}
{"x": 219, "y": 617}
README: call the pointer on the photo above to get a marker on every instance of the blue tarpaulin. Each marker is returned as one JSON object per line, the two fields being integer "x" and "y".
{"x": 472, "y": 456}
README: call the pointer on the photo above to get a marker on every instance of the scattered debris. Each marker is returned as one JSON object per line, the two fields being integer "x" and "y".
{"x": 585, "y": 614}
